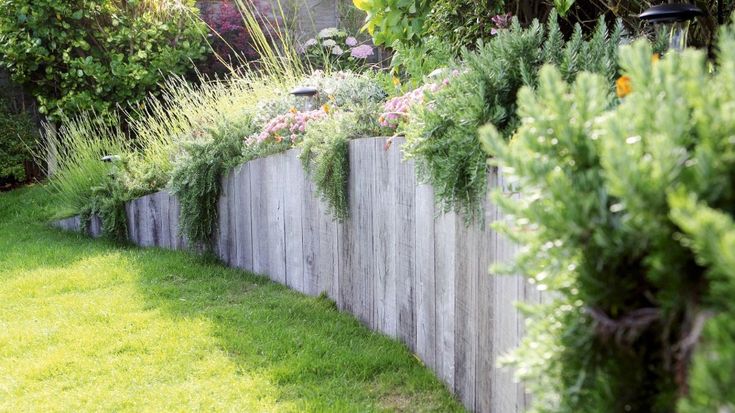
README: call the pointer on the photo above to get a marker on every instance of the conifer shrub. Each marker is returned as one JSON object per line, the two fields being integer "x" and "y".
{"x": 626, "y": 217}
{"x": 442, "y": 134}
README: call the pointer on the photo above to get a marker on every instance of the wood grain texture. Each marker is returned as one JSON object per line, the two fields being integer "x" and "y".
{"x": 397, "y": 265}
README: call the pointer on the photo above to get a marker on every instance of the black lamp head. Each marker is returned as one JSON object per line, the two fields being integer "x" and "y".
{"x": 670, "y": 13}
{"x": 305, "y": 91}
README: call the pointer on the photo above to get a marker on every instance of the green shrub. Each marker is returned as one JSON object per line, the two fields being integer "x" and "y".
{"x": 463, "y": 23}
{"x": 415, "y": 63}
{"x": 94, "y": 54}
{"x": 18, "y": 136}
{"x": 395, "y": 21}
{"x": 442, "y": 135}
{"x": 626, "y": 217}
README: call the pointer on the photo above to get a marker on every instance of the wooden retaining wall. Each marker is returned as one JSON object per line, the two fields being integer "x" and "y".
{"x": 396, "y": 264}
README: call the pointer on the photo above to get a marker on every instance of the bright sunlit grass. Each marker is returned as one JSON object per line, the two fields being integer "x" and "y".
{"x": 90, "y": 326}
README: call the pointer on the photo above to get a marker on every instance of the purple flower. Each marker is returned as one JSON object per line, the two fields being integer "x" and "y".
{"x": 361, "y": 52}
{"x": 501, "y": 21}
{"x": 351, "y": 41}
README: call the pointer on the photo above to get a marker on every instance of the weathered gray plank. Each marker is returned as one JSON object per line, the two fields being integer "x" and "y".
{"x": 243, "y": 217}
{"x": 445, "y": 239}
{"x": 467, "y": 249}
{"x": 383, "y": 207}
{"x": 485, "y": 360}
{"x": 405, "y": 243}
{"x": 426, "y": 332}
{"x": 293, "y": 227}
{"x": 362, "y": 165}
{"x": 259, "y": 207}
{"x": 508, "y": 289}
{"x": 165, "y": 205}
{"x": 223, "y": 236}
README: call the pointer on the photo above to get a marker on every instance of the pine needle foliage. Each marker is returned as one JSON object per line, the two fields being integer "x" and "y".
{"x": 443, "y": 138}
{"x": 626, "y": 217}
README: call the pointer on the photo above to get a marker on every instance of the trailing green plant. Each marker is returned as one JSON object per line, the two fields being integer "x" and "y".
{"x": 325, "y": 156}
{"x": 94, "y": 54}
{"x": 626, "y": 214}
{"x": 442, "y": 133}
{"x": 18, "y": 136}
{"x": 196, "y": 179}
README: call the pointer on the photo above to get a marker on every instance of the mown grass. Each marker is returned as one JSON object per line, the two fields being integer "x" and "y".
{"x": 92, "y": 326}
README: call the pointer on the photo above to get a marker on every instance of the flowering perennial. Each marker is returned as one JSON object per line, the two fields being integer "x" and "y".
{"x": 290, "y": 125}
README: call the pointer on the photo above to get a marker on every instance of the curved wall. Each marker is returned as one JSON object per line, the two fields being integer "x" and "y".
{"x": 396, "y": 264}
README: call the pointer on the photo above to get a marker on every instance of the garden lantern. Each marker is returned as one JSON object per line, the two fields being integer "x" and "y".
{"x": 675, "y": 20}
{"x": 307, "y": 97}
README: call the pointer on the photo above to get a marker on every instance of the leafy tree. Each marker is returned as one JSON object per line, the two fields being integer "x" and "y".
{"x": 93, "y": 54}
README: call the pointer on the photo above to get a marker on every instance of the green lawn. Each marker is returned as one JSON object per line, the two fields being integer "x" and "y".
{"x": 93, "y": 326}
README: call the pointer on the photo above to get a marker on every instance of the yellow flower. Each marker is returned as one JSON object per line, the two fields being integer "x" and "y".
{"x": 326, "y": 108}
{"x": 623, "y": 86}
{"x": 655, "y": 58}
{"x": 396, "y": 81}
{"x": 293, "y": 110}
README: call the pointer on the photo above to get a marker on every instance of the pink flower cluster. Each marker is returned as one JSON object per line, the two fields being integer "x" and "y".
{"x": 291, "y": 125}
{"x": 397, "y": 108}
{"x": 361, "y": 52}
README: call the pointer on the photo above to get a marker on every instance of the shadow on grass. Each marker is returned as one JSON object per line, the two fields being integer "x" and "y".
{"x": 319, "y": 358}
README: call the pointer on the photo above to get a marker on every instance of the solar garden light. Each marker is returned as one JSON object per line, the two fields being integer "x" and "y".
{"x": 674, "y": 19}
{"x": 110, "y": 158}
{"x": 307, "y": 96}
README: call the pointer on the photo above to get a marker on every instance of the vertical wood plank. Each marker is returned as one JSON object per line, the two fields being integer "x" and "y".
{"x": 383, "y": 208}
{"x": 485, "y": 368}
{"x": 243, "y": 217}
{"x": 165, "y": 205}
{"x": 505, "y": 394}
{"x": 276, "y": 236}
{"x": 426, "y": 333}
{"x": 362, "y": 156}
{"x": 467, "y": 248}
{"x": 405, "y": 244}
{"x": 259, "y": 206}
{"x": 445, "y": 239}
{"x": 223, "y": 237}
{"x": 293, "y": 226}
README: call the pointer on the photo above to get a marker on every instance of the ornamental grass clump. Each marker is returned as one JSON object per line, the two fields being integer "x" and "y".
{"x": 442, "y": 134}
{"x": 626, "y": 215}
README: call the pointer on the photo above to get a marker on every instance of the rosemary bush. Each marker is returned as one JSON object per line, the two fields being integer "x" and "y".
{"x": 442, "y": 136}
{"x": 626, "y": 215}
